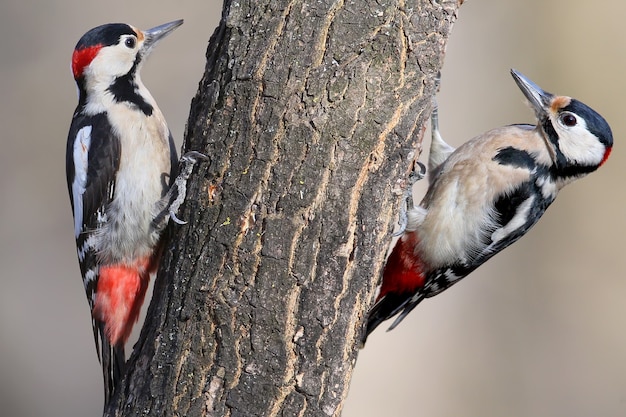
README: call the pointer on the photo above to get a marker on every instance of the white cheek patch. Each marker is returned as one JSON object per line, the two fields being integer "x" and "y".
{"x": 80, "y": 157}
{"x": 111, "y": 61}
{"x": 579, "y": 145}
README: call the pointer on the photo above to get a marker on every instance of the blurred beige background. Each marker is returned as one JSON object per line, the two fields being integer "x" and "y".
{"x": 538, "y": 331}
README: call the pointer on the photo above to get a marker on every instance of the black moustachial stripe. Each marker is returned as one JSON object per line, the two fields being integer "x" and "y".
{"x": 553, "y": 137}
{"x": 570, "y": 171}
{"x": 124, "y": 89}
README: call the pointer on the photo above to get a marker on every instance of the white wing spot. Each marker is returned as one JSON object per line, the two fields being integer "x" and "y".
{"x": 520, "y": 218}
{"x": 80, "y": 156}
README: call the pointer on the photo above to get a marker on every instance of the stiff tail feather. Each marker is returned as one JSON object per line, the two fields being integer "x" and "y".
{"x": 113, "y": 362}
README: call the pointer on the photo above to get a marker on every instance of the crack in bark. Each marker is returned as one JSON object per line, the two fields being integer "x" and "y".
{"x": 292, "y": 357}
{"x": 272, "y": 41}
{"x": 319, "y": 51}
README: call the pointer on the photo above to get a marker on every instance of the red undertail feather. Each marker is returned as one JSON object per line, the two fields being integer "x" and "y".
{"x": 120, "y": 294}
{"x": 403, "y": 271}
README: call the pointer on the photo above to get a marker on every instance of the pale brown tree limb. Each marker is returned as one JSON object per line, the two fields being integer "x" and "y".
{"x": 311, "y": 113}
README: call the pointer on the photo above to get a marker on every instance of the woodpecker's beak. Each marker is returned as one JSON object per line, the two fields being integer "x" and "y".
{"x": 154, "y": 35}
{"x": 539, "y": 100}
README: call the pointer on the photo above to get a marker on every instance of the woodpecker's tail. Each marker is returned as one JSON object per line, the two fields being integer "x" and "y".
{"x": 402, "y": 286}
{"x": 120, "y": 293}
{"x": 384, "y": 309}
{"x": 113, "y": 361}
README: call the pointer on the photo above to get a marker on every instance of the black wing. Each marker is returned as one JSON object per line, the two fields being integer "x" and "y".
{"x": 93, "y": 157}
{"x": 92, "y": 160}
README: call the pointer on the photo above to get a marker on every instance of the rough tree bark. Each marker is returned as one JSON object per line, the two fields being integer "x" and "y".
{"x": 311, "y": 112}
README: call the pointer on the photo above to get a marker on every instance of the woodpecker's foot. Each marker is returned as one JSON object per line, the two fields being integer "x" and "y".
{"x": 439, "y": 149}
{"x": 169, "y": 205}
{"x": 178, "y": 190}
{"x": 407, "y": 204}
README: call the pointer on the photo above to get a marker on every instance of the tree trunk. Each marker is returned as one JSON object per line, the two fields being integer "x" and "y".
{"x": 310, "y": 112}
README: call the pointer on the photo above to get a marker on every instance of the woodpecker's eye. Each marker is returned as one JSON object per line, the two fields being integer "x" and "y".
{"x": 130, "y": 42}
{"x": 568, "y": 119}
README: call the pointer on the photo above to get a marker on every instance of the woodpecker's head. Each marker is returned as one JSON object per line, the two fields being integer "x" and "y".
{"x": 113, "y": 51}
{"x": 578, "y": 138}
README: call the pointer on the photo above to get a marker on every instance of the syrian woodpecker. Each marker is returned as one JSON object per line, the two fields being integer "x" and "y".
{"x": 121, "y": 164}
{"x": 486, "y": 194}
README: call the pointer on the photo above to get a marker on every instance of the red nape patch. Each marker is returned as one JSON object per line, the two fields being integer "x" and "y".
{"x": 120, "y": 293}
{"x": 82, "y": 58}
{"x": 606, "y": 155}
{"x": 403, "y": 270}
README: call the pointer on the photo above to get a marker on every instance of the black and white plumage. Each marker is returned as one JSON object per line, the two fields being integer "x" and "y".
{"x": 485, "y": 195}
{"x": 121, "y": 175}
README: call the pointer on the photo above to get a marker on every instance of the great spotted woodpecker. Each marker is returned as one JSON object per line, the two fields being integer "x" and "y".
{"x": 487, "y": 194}
{"x": 121, "y": 162}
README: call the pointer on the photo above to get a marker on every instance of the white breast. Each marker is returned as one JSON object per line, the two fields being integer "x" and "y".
{"x": 140, "y": 183}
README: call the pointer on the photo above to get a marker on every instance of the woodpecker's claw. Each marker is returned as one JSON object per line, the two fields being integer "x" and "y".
{"x": 193, "y": 157}
{"x": 175, "y": 219}
{"x": 415, "y": 176}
